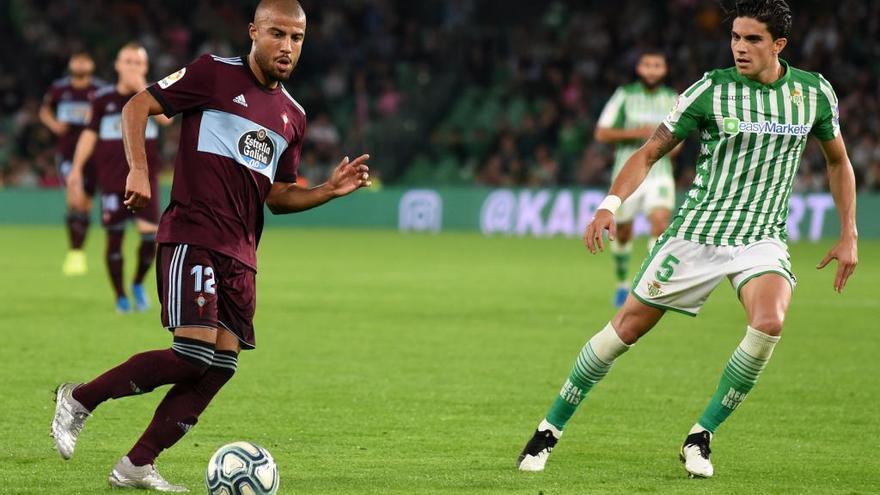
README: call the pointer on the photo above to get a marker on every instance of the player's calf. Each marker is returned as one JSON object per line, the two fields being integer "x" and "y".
{"x": 187, "y": 360}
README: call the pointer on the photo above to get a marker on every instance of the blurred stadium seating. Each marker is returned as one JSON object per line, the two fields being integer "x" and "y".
{"x": 454, "y": 92}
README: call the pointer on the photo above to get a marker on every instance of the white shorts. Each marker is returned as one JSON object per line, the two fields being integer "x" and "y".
{"x": 679, "y": 275}
{"x": 653, "y": 193}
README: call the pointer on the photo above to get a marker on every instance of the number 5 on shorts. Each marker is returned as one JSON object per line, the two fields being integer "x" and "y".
{"x": 666, "y": 268}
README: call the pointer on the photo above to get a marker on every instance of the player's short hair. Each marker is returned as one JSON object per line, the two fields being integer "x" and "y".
{"x": 292, "y": 7}
{"x": 132, "y": 45}
{"x": 774, "y": 13}
{"x": 652, "y": 52}
{"x": 80, "y": 54}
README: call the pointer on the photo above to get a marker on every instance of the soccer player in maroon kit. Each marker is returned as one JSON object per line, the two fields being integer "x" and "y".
{"x": 65, "y": 111}
{"x": 101, "y": 142}
{"x": 240, "y": 142}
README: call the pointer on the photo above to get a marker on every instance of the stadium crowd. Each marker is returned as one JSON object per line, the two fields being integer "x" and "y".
{"x": 527, "y": 86}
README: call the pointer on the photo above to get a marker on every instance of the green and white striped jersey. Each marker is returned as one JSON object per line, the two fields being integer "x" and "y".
{"x": 633, "y": 106}
{"x": 752, "y": 137}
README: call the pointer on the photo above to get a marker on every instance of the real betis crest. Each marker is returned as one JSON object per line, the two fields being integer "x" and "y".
{"x": 654, "y": 289}
{"x": 797, "y": 97}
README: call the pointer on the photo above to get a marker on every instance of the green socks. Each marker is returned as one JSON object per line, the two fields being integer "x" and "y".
{"x": 739, "y": 376}
{"x": 591, "y": 365}
{"x": 621, "y": 259}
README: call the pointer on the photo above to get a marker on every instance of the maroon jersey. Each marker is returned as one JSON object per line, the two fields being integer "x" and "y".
{"x": 237, "y": 137}
{"x": 71, "y": 106}
{"x": 108, "y": 158}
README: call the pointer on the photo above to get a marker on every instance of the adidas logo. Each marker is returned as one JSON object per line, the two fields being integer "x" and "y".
{"x": 240, "y": 100}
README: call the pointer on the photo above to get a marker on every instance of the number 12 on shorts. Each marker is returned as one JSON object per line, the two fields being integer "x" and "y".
{"x": 666, "y": 268}
{"x": 204, "y": 277}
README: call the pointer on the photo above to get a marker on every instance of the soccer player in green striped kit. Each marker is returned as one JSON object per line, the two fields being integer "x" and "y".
{"x": 628, "y": 119}
{"x": 753, "y": 121}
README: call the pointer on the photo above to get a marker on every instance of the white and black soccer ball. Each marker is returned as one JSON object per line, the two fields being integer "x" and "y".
{"x": 241, "y": 468}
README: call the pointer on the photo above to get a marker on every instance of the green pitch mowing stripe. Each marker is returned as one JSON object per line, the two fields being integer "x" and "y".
{"x": 411, "y": 364}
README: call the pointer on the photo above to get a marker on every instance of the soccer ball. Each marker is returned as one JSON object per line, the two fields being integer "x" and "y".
{"x": 241, "y": 468}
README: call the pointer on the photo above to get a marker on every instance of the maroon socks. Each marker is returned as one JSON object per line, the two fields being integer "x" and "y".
{"x": 146, "y": 255}
{"x": 180, "y": 409}
{"x": 187, "y": 360}
{"x": 77, "y": 227}
{"x": 114, "y": 260}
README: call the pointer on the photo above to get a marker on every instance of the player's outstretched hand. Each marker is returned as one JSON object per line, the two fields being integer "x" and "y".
{"x": 846, "y": 254}
{"x": 350, "y": 176}
{"x": 604, "y": 220}
{"x": 137, "y": 189}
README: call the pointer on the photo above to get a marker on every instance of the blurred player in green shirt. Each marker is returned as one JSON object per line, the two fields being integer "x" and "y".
{"x": 628, "y": 119}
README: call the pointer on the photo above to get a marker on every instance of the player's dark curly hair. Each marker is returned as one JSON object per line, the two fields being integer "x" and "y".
{"x": 774, "y": 13}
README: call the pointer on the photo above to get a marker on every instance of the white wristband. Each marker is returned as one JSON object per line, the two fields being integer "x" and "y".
{"x": 610, "y": 203}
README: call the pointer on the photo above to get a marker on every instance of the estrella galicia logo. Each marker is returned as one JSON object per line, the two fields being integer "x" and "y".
{"x": 256, "y": 148}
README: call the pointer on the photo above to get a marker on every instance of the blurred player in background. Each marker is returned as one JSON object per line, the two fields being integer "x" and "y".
{"x": 240, "y": 144}
{"x": 628, "y": 119}
{"x": 753, "y": 122}
{"x": 101, "y": 144}
{"x": 65, "y": 111}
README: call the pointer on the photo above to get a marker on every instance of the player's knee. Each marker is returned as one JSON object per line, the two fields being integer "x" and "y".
{"x": 634, "y": 320}
{"x": 195, "y": 354}
{"x": 770, "y": 324}
{"x": 624, "y": 233}
{"x": 628, "y": 328}
{"x": 114, "y": 242}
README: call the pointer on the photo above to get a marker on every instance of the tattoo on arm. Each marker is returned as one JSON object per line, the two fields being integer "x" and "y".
{"x": 661, "y": 143}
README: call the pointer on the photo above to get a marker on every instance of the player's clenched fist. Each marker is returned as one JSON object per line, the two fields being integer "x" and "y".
{"x": 137, "y": 189}
{"x": 604, "y": 220}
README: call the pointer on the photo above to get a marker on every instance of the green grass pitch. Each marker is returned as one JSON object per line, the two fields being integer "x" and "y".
{"x": 418, "y": 364}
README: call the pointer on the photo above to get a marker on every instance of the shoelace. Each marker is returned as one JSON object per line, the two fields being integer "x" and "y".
{"x": 548, "y": 448}
{"x": 702, "y": 447}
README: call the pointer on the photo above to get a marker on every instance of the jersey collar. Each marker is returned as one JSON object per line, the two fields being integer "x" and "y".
{"x": 757, "y": 85}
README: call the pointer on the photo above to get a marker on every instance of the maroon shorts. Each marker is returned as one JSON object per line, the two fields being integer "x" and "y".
{"x": 115, "y": 214}
{"x": 199, "y": 287}
{"x": 90, "y": 177}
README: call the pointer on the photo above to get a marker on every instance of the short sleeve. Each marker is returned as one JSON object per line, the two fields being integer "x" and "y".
{"x": 95, "y": 116}
{"x": 612, "y": 115}
{"x": 826, "y": 127}
{"x": 288, "y": 163}
{"x": 190, "y": 87}
{"x": 50, "y": 99}
{"x": 690, "y": 109}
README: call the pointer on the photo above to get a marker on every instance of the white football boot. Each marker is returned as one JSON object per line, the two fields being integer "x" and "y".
{"x": 70, "y": 416}
{"x": 536, "y": 452}
{"x": 127, "y": 475}
{"x": 695, "y": 455}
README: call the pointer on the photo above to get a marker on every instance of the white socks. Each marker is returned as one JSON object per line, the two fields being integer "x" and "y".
{"x": 544, "y": 425}
{"x": 607, "y": 344}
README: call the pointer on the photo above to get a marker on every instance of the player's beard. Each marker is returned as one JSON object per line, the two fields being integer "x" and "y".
{"x": 267, "y": 66}
{"x": 650, "y": 86}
